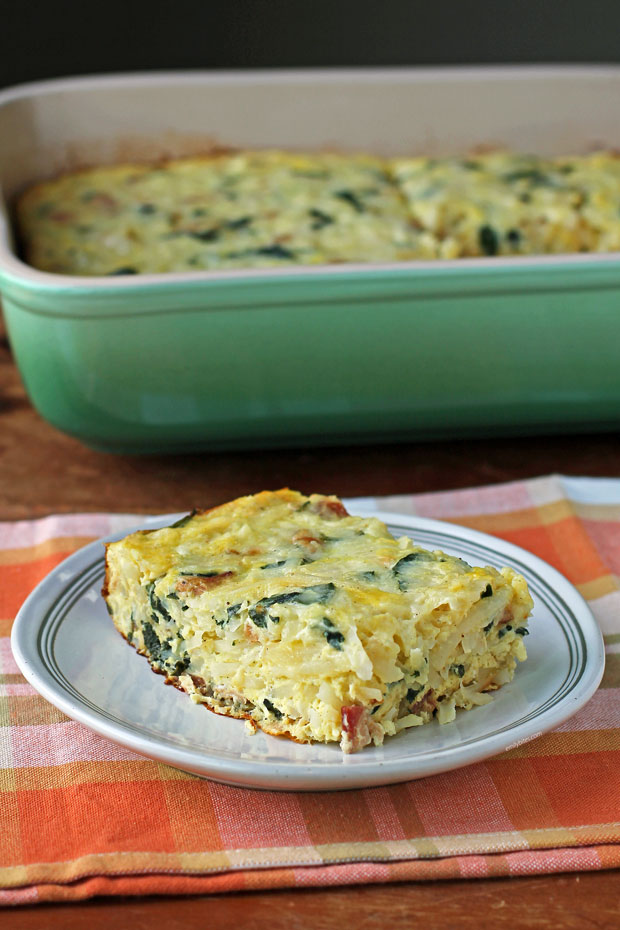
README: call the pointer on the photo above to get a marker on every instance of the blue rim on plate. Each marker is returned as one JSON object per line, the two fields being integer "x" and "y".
{"x": 68, "y": 649}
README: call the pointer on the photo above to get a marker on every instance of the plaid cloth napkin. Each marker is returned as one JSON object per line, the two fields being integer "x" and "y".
{"x": 81, "y": 816}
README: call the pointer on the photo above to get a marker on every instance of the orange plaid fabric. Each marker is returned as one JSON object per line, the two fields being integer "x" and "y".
{"x": 82, "y": 816}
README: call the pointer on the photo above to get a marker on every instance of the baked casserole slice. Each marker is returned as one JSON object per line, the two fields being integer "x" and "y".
{"x": 311, "y": 623}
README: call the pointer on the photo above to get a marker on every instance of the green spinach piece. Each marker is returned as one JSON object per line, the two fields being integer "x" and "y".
{"x": 132, "y": 628}
{"x": 200, "y": 574}
{"x": 399, "y": 569}
{"x": 178, "y": 667}
{"x": 320, "y": 219}
{"x": 203, "y": 235}
{"x": 352, "y": 199}
{"x": 533, "y": 176}
{"x": 183, "y": 521}
{"x": 489, "y": 242}
{"x": 258, "y": 615}
{"x": 241, "y": 223}
{"x": 156, "y": 605}
{"x": 333, "y": 636}
{"x": 314, "y": 594}
{"x": 152, "y": 643}
{"x": 413, "y": 692}
{"x": 275, "y": 251}
{"x": 272, "y": 709}
{"x": 369, "y": 575}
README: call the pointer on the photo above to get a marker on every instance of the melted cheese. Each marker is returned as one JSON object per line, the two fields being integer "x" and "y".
{"x": 254, "y": 209}
{"x": 507, "y": 204}
{"x": 313, "y": 623}
{"x": 274, "y": 209}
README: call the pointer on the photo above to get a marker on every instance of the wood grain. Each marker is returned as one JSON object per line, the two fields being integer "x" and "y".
{"x": 558, "y": 902}
{"x": 43, "y": 471}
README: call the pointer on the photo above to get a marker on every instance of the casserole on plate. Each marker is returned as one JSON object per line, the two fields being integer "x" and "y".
{"x": 311, "y": 623}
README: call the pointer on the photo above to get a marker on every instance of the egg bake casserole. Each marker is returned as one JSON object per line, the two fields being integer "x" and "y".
{"x": 313, "y": 624}
{"x": 258, "y": 209}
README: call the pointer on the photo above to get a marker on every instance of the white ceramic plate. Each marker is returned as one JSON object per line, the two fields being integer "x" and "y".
{"x": 66, "y": 646}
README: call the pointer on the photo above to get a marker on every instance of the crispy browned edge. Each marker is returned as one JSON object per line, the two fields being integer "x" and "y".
{"x": 15, "y": 207}
{"x": 105, "y": 590}
{"x": 212, "y": 154}
{"x": 194, "y": 512}
{"x": 173, "y": 679}
{"x": 218, "y": 150}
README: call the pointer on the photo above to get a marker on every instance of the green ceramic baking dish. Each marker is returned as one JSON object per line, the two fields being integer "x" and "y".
{"x": 207, "y": 360}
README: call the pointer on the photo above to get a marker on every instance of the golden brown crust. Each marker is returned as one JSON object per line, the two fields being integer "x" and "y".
{"x": 285, "y": 493}
{"x": 144, "y": 166}
{"x": 197, "y": 584}
{"x": 105, "y": 590}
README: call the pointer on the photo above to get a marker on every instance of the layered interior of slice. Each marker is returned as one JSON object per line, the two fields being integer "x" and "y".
{"x": 311, "y": 623}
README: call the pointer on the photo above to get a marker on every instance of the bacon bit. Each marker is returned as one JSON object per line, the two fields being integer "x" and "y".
{"x": 250, "y": 633}
{"x": 198, "y": 584}
{"x": 199, "y": 683}
{"x": 311, "y": 543}
{"x": 331, "y": 508}
{"x": 225, "y": 692}
{"x": 61, "y": 216}
{"x": 506, "y": 617}
{"x": 427, "y": 704}
{"x": 104, "y": 201}
{"x": 355, "y": 729}
{"x": 351, "y": 717}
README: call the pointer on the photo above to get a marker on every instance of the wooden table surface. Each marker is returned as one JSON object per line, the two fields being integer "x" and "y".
{"x": 43, "y": 471}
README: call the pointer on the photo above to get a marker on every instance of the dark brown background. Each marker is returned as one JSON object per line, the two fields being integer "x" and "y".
{"x": 62, "y": 38}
